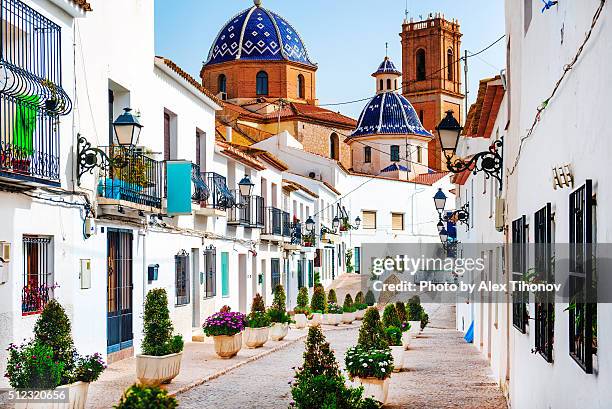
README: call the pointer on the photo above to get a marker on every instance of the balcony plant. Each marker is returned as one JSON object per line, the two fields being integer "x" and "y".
{"x": 50, "y": 359}
{"x": 370, "y": 362}
{"x": 149, "y": 397}
{"x": 414, "y": 310}
{"x": 301, "y": 310}
{"x": 257, "y": 329}
{"x": 160, "y": 361}
{"x": 360, "y": 306}
{"x": 319, "y": 383}
{"x": 318, "y": 303}
{"x": 400, "y": 307}
{"x": 333, "y": 315}
{"x": 226, "y": 329}
{"x": 278, "y": 315}
{"x": 348, "y": 310}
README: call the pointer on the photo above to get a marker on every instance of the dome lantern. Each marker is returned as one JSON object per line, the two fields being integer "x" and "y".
{"x": 387, "y": 77}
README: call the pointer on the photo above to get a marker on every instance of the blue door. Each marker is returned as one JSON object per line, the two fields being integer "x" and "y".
{"x": 119, "y": 290}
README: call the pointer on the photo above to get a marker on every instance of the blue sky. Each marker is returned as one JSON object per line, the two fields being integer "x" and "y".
{"x": 345, "y": 37}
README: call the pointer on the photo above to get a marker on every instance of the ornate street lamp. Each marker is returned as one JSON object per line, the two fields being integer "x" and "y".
{"x": 443, "y": 236}
{"x": 127, "y": 129}
{"x": 245, "y": 186}
{"x": 310, "y": 225}
{"x": 461, "y": 215}
{"x": 357, "y": 222}
{"x": 490, "y": 162}
{"x": 440, "y": 226}
{"x": 440, "y": 200}
{"x": 335, "y": 223}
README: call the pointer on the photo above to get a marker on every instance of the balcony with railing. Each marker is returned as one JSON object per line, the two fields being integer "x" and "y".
{"x": 273, "y": 224}
{"x": 286, "y": 225}
{"x": 200, "y": 190}
{"x": 135, "y": 179}
{"x": 248, "y": 213}
{"x": 31, "y": 95}
{"x": 220, "y": 197}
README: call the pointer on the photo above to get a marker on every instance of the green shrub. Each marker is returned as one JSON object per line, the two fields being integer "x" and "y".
{"x": 334, "y": 309}
{"x": 331, "y": 296}
{"x": 53, "y": 329}
{"x": 369, "y": 362}
{"x": 317, "y": 278}
{"x": 424, "y": 320}
{"x": 280, "y": 299}
{"x": 371, "y": 333}
{"x": 359, "y": 298}
{"x": 394, "y": 336}
{"x": 348, "y": 304}
{"x": 369, "y": 298}
{"x": 278, "y": 316}
{"x": 89, "y": 368}
{"x": 302, "y": 298}
{"x": 32, "y": 366}
{"x": 318, "y": 302}
{"x": 390, "y": 317}
{"x": 144, "y": 397}
{"x": 414, "y": 309}
{"x": 401, "y": 311}
{"x": 258, "y": 304}
{"x": 258, "y": 318}
{"x": 157, "y": 326}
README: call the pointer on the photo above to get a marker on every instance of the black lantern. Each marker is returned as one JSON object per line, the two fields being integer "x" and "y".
{"x": 246, "y": 186}
{"x": 490, "y": 162}
{"x": 127, "y": 128}
{"x": 310, "y": 225}
{"x": 443, "y": 236}
{"x": 440, "y": 200}
{"x": 357, "y": 222}
{"x": 335, "y": 223}
{"x": 440, "y": 226}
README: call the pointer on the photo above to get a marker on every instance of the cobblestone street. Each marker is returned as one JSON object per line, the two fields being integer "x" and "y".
{"x": 443, "y": 372}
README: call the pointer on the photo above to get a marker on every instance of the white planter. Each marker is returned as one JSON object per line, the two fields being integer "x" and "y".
{"x": 415, "y": 328}
{"x": 325, "y": 319}
{"x": 155, "y": 370}
{"x": 256, "y": 337}
{"x": 332, "y": 319}
{"x": 375, "y": 388}
{"x": 348, "y": 317}
{"x": 300, "y": 321}
{"x": 77, "y": 395}
{"x": 359, "y": 314}
{"x": 227, "y": 346}
{"x": 406, "y": 336}
{"x": 398, "y": 357}
{"x": 316, "y": 319}
{"x": 279, "y": 331}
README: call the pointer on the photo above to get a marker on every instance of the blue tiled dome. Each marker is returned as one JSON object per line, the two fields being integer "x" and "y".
{"x": 387, "y": 67}
{"x": 261, "y": 35}
{"x": 389, "y": 113}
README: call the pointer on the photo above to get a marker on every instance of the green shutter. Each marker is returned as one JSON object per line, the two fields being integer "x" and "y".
{"x": 225, "y": 274}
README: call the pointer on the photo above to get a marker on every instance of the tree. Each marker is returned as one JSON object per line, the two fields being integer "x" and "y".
{"x": 280, "y": 299}
{"x": 359, "y": 298}
{"x": 372, "y": 333}
{"x": 369, "y": 298}
{"x": 157, "y": 326}
{"x": 302, "y": 298}
{"x": 318, "y": 301}
{"x": 331, "y": 297}
{"x": 348, "y": 302}
{"x": 53, "y": 329}
{"x": 401, "y": 311}
{"x": 414, "y": 309}
{"x": 390, "y": 317}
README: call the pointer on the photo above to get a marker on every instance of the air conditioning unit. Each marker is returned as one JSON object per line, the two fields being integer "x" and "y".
{"x": 500, "y": 205}
{"x": 5, "y": 251}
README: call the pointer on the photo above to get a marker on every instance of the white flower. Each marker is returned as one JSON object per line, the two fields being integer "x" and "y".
{"x": 365, "y": 365}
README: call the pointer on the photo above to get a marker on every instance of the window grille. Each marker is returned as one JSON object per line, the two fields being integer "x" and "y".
{"x": 181, "y": 262}
{"x": 210, "y": 272}
{"x": 519, "y": 272}
{"x": 545, "y": 302}
{"x": 38, "y": 282}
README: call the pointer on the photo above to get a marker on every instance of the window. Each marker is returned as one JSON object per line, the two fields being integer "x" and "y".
{"x": 544, "y": 267}
{"x": 301, "y": 87}
{"x": 527, "y": 10}
{"x": 367, "y": 154}
{"x": 388, "y": 84}
{"x": 369, "y": 220}
{"x": 222, "y": 83}
{"x": 38, "y": 282}
{"x": 300, "y": 273}
{"x": 262, "y": 83}
{"x": 166, "y": 136}
{"x": 420, "y": 65}
{"x": 334, "y": 146}
{"x": 225, "y": 288}
{"x": 181, "y": 276}
{"x": 420, "y": 154}
{"x": 397, "y": 221}
{"x": 275, "y": 272}
{"x": 519, "y": 270}
{"x": 396, "y": 88}
{"x": 395, "y": 155}
{"x": 582, "y": 283}
{"x": 310, "y": 273}
{"x": 381, "y": 85}
{"x": 357, "y": 260}
{"x": 450, "y": 63}
{"x": 210, "y": 272}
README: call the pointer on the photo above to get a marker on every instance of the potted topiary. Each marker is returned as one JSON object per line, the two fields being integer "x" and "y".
{"x": 320, "y": 383}
{"x": 393, "y": 331}
{"x": 149, "y": 397}
{"x": 226, "y": 328}
{"x": 333, "y": 315}
{"x": 331, "y": 296}
{"x": 278, "y": 315}
{"x": 348, "y": 310}
{"x": 257, "y": 327}
{"x": 160, "y": 361}
{"x": 318, "y": 304}
{"x": 50, "y": 361}
{"x": 360, "y": 306}
{"x": 414, "y": 312}
{"x": 301, "y": 310}
{"x": 424, "y": 320}
{"x": 370, "y": 362}
{"x": 403, "y": 317}
{"x": 369, "y": 299}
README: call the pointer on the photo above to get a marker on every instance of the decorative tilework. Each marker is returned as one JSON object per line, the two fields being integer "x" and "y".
{"x": 387, "y": 67}
{"x": 258, "y": 34}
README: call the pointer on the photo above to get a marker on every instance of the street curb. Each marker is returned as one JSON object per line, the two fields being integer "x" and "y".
{"x": 249, "y": 360}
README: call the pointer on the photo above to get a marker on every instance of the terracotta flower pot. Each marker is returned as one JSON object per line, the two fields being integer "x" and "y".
{"x": 398, "y": 357}
{"x": 155, "y": 370}
{"x": 375, "y": 388}
{"x": 256, "y": 337}
{"x": 316, "y": 319}
{"x": 348, "y": 317}
{"x": 279, "y": 331}
{"x": 77, "y": 395}
{"x": 359, "y": 314}
{"x": 227, "y": 346}
{"x": 406, "y": 336}
{"x": 300, "y": 320}
{"x": 415, "y": 328}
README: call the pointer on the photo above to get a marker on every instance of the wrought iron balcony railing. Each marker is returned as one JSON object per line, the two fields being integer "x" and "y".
{"x": 296, "y": 233}
{"x": 221, "y": 197}
{"x": 286, "y": 224}
{"x": 273, "y": 221}
{"x": 250, "y": 212}
{"x": 201, "y": 193}
{"x": 257, "y": 210}
{"x": 140, "y": 181}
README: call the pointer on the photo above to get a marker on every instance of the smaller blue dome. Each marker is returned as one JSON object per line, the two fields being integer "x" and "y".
{"x": 389, "y": 113}
{"x": 387, "y": 67}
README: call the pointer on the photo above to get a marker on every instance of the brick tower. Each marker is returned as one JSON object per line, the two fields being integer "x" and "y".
{"x": 432, "y": 73}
